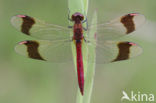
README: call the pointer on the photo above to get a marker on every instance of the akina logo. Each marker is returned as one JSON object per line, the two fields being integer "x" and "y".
{"x": 137, "y": 97}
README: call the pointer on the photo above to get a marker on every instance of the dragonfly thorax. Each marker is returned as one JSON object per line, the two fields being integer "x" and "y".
{"x": 78, "y": 31}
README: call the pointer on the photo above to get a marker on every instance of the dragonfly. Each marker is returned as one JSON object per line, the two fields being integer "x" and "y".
{"x": 55, "y": 43}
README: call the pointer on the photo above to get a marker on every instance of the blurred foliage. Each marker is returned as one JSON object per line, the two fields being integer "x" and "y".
{"x": 24, "y": 80}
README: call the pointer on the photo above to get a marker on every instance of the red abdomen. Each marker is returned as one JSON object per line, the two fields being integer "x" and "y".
{"x": 80, "y": 71}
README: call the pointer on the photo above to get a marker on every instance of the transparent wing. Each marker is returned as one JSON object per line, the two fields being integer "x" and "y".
{"x": 39, "y": 29}
{"x": 118, "y": 27}
{"x": 112, "y": 51}
{"x": 54, "y": 51}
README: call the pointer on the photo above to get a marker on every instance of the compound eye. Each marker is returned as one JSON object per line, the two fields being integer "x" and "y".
{"x": 73, "y": 17}
{"x": 82, "y": 18}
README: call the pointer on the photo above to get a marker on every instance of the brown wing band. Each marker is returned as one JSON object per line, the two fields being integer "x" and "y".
{"x": 128, "y": 22}
{"x": 27, "y": 24}
{"x": 124, "y": 51}
{"x": 32, "y": 49}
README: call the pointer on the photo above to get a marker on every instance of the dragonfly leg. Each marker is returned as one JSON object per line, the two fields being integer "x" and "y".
{"x": 69, "y": 15}
{"x": 86, "y": 24}
{"x": 84, "y": 20}
{"x": 86, "y": 40}
{"x": 70, "y": 26}
{"x": 84, "y": 28}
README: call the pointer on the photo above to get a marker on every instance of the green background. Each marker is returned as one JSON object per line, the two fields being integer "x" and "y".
{"x": 24, "y": 80}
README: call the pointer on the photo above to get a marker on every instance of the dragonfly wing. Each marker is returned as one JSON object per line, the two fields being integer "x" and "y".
{"x": 39, "y": 29}
{"x": 55, "y": 51}
{"x": 118, "y": 27}
{"x": 112, "y": 51}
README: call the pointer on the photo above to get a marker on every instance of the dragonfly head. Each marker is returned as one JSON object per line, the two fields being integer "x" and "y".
{"x": 77, "y": 16}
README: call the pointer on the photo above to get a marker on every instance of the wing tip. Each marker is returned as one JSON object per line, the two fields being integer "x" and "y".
{"x": 17, "y": 16}
{"x": 132, "y": 21}
{"x": 23, "y": 42}
{"x": 127, "y": 50}
{"x": 20, "y": 16}
{"x": 135, "y": 49}
{"x": 23, "y": 23}
{"x": 16, "y": 21}
{"x": 139, "y": 19}
{"x": 29, "y": 48}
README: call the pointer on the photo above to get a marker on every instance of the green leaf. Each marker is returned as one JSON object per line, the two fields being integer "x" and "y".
{"x": 89, "y": 79}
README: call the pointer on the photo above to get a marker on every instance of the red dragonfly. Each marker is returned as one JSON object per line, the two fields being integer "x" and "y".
{"x": 55, "y": 45}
